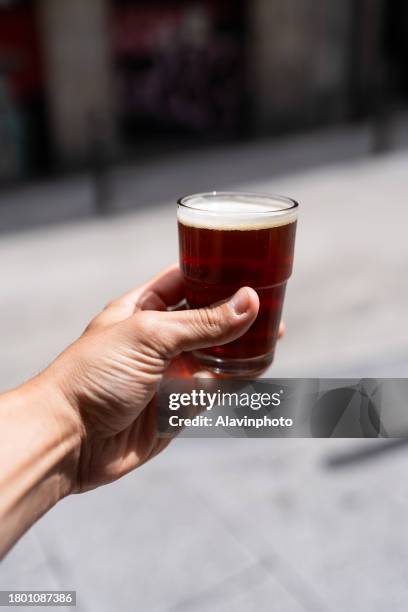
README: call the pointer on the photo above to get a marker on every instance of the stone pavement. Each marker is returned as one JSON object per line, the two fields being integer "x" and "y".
{"x": 285, "y": 525}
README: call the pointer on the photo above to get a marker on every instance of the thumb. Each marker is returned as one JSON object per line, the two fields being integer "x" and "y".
{"x": 186, "y": 330}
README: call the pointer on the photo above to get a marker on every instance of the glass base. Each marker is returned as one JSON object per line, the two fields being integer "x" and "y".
{"x": 251, "y": 367}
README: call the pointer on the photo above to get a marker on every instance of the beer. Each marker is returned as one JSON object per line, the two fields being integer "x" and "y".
{"x": 231, "y": 240}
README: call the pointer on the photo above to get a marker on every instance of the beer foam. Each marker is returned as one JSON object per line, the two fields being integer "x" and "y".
{"x": 240, "y": 213}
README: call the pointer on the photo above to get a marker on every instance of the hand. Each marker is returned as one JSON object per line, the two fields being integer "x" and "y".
{"x": 109, "y": 376}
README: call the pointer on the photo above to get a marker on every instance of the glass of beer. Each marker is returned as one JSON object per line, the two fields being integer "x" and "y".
{"x": 229, "y": 240}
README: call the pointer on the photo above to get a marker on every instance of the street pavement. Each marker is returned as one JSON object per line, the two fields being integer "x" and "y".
{"x": 227, "y": 524}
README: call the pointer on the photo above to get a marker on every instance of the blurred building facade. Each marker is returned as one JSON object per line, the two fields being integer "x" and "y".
{"x": 80, "y": 80}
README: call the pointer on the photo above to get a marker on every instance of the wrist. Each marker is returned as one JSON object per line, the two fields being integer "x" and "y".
{"x": 51, "y": 433}
{"x": 64, "y": 426}
{"x": 39, "y": 455}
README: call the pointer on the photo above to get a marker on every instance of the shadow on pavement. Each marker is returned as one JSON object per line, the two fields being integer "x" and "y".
{"x": 363, "y": 454}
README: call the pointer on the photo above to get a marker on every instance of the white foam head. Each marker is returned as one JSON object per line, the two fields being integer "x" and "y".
{"x": 236, "y": 211}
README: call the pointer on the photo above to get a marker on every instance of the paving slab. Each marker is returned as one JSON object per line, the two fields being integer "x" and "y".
{"x": 335, "y": 536}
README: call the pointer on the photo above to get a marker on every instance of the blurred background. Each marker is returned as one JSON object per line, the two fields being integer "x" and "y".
{"x": 128, "y": 79}
{"x": 109, "y": 111}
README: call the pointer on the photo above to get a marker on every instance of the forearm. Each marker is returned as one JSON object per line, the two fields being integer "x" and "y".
{"x": 39, "y": 447}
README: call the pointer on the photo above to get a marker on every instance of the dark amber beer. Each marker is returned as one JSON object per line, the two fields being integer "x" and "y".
{"x": 231, "y": 240}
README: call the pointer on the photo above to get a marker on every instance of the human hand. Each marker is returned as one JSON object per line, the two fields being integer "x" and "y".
{"x": 109, "y": 376}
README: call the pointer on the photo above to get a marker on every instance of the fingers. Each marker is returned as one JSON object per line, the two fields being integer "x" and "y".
{"x": 168, "y": 285}
{"x": 164, "y": 290}
{"x": 282, "y": 329}
{"x": 171, "y": 333}
{"x": 151, "y": 301}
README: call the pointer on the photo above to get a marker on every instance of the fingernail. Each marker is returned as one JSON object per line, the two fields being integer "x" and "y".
{"x": 240, "y": 302}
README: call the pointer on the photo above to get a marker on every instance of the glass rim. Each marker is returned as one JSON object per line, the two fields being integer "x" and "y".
{"x": 291, "y": 204}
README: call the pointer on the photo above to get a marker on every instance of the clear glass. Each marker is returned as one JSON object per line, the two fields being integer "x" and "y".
{"x": 229, "y": 240}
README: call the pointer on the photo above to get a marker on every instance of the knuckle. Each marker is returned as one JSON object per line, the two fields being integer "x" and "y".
{"x": 91, "y": 326}
{"x": 210, "y": 320}
{"x": 147, "y": 323}
{"x": 96, "y": 323}
{"x": 151, "y": 333}
{"x": 110, "y": 304}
